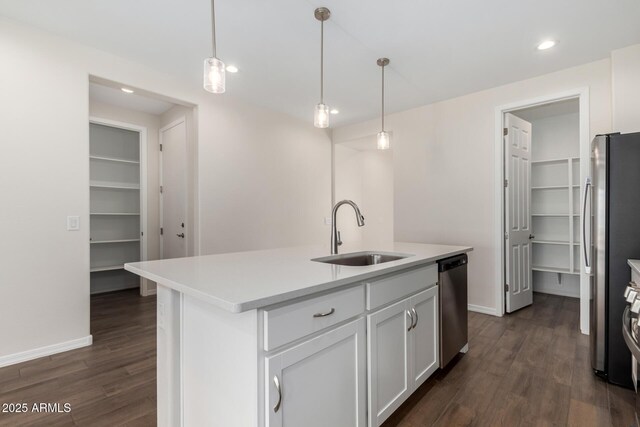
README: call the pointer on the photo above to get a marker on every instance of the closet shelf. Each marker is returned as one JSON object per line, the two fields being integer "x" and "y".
{"x": 114, "y": 159}
{"x": 551, "y": 187}
{"x": 114, "y": 185}
{"x": 115, "y": 213}
{"x": 535, "y": 162}
{"x": 107, "y": 268}
{"x": 555, "y": 215}
{"x": 551, "y": 242}
{"x": 95, "y": 242}
{"x": 554, "y": 270}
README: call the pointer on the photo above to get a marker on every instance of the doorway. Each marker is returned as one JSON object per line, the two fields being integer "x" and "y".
{"x": 127, "y": 126}
{"x": 542, "y": 148}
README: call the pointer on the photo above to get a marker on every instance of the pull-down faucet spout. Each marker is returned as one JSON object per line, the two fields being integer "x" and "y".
{"x": 335, "y": 234}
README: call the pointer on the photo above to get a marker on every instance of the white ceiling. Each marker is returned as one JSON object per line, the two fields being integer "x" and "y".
{"x": 438, "y": 48}
{"x": 131, "y": 101}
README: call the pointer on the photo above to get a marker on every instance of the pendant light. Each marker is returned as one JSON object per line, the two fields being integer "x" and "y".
{"x": 383, "y": 136}
{"x": 214, "y": 71}
{"x": 321, "y": 115}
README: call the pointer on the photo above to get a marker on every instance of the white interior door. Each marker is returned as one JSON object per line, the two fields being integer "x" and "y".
{"x": 173, "y": 197}
{"x": 518, "y": 233}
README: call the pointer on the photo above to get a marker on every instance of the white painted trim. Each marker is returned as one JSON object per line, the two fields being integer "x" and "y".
{"x": 582, "y": 94}
{"x": 161, "y": 131}
{"x": 12, "y": 359}
{"x": 143, "y": 141}
{"x": 482, "y": 309}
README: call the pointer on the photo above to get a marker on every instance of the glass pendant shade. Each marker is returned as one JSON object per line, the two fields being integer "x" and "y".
{"x": 214, "y": 75}
{"x": 383, "y": 140}
{"x": 321, "y": 117}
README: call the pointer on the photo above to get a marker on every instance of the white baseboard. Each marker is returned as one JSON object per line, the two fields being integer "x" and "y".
{"x": 481, "y": 309}
{"x": 12, "y": 359}
{"x": 149, "y": 292}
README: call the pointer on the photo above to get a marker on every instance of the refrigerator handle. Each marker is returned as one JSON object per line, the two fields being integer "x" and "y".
{"x": 587, "y": 265}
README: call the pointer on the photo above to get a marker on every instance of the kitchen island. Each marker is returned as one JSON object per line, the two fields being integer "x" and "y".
{"x": 274, "y": 337}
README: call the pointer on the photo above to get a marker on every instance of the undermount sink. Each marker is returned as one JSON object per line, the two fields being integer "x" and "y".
{"x": 358, "y": 259}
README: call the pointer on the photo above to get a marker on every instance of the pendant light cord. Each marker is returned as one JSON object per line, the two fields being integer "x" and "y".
{"x": 322, "y": 62}
{"x": 213, "y": 28}
{"x": 383, "y": 98}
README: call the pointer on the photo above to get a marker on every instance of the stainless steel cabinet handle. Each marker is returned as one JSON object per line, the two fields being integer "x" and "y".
{"x": 410, "y": 317}
{"x": 328, "y": 313}
{"x": 587, "y": 266}
{"x": 415, "y": 313}
{"x": 276, "y": 382}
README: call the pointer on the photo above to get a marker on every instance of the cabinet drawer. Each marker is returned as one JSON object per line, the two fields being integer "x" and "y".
{"x": 293, "y": 321}
{"x": 400, "y": 285}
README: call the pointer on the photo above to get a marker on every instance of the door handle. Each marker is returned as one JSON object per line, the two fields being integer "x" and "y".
{"x": 276, "y": 382}
{"x": 587, "y": 266}
{"x": 531, "y": 236}
{"x": 181, "y": 235}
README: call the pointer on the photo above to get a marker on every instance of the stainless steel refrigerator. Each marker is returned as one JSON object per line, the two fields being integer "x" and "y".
{"x": 612, "y": 195}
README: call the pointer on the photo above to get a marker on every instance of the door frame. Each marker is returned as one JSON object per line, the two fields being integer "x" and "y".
{"x": 582, "y": 94}
{"x": 187, "y": 239}
{"x": 142, "y": 131}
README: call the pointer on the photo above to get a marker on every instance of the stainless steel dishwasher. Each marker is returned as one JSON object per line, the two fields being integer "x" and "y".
{"x": 452, "y": 296}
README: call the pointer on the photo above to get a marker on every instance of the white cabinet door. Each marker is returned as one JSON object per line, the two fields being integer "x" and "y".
{"x": 388, "y": 350}
{"x": 424, "y": 353}
{"x": 320, "y": 382}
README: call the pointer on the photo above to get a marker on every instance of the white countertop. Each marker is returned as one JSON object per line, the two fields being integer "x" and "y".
{"x": 635, "y": 264}
{"x": 244, "y": 281}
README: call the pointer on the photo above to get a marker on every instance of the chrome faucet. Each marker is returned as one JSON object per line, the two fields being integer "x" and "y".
{"x": 335, "y": 234}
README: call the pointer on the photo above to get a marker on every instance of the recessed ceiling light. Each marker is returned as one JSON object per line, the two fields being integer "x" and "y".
{"x": 547, "y": 44}
{"x": 334, "y": 111}
{"x": 126, "y": 90}
{"x": 232, "y": 68}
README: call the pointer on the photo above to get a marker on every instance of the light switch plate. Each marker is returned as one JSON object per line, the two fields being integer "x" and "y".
{"x": 73, "y": 223}
{"x": 327, "y": 220}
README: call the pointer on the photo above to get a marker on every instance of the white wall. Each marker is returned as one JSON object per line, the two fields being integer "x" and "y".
{"x": 366, "y": 177}
{"x": 246, "y": 198}
{"x": 626, "y": 89}
{"x": 444, "y": 165}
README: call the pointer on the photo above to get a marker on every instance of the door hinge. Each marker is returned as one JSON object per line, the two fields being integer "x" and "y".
{"x": 506, "y": 287}
{"x": 161, "y": 231}
{"x": 506, "y": 236}
{"x": 160, "y": 147}
{"x": 505, "y": 132}
{"x": 161, "y": 189}
{"x": 506, "y": 183}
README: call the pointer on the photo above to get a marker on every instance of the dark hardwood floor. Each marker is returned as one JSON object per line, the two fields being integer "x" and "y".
{"x": 530, "y": 368}
{"x": 526, "y": 369}
{"x": 112, "y": 382}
